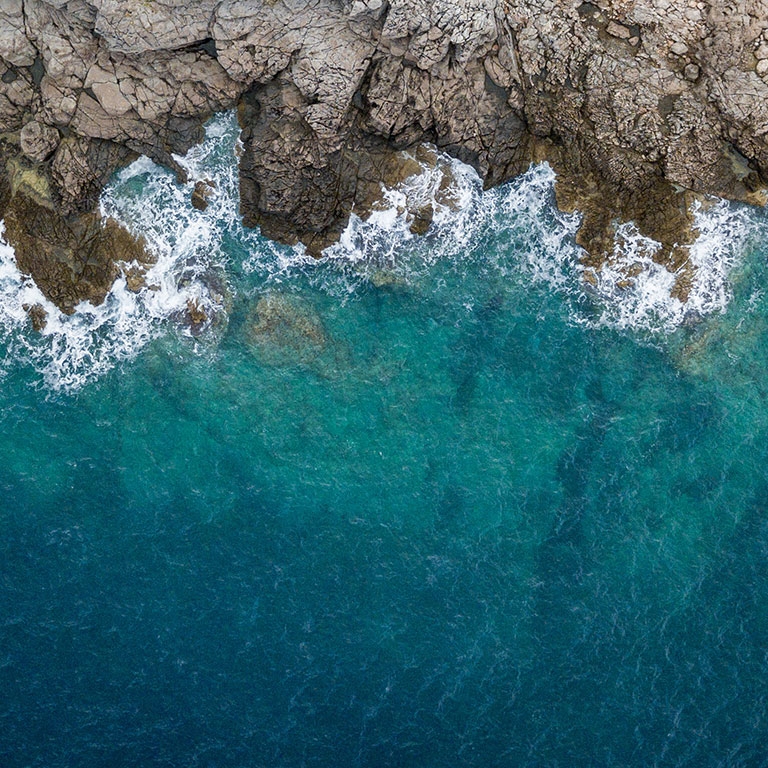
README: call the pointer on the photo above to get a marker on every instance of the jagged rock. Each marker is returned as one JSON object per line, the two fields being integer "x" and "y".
{"x": 422, "y": 219}
{"x": 632, "y": 102}
{"x": 153, "y": 26}
{"x": 81, "y": 167}
{"x": 15, "y": 47}
{"x": 201, "y": 193}
{"x": 618, "y": 30}
{"x": 17, "y": 97}
{"x": 195, "y": 317}
{"x": 135, "y": 277}
{"x": 37, "y": 316}
{"x": 38, "y": 141}
{"x": 71, "y": 258}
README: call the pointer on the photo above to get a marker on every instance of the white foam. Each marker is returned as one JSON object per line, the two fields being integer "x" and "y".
{"x": 530, "y": 236}
{"x": 514, "y": 231}
{"x": 73, "y": 350}
{"x": 379, "y": 240}
{"x": 534, "y": 239}
{"x": 635, "y": 292}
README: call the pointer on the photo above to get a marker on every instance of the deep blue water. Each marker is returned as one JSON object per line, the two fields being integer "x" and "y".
{"x": 450, "y": 513}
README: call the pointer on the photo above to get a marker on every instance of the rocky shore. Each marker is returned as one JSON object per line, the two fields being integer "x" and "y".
{"x": 639, "y": 105}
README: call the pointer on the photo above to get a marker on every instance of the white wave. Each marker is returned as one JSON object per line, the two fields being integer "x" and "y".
{"x": 514, "y": 231}
{"x": 379, "y": 240}
{"x": 635, "y": 292}
{"x": 74, "y": 349}
{"x": 70, "y": 349}
{"x": 532, "y": 238}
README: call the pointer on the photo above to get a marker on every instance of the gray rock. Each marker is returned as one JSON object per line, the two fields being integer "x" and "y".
{"x": 330, "y": 90}
{"x": 15, "y": 48}
{"x": 692, "y": 72}
{"x": 38, "y": 141}
{"x": 618, "y": 30}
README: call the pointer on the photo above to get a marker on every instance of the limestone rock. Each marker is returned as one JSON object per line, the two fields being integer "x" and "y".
{"x": 136, "y": 28}
{"x": 631, "y": 100}
{"x": 15, "y": 47}
{"x": 38, "y": 141}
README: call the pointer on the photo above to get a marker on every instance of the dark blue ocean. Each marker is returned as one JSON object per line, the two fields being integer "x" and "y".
{"x": 439, "y": 501}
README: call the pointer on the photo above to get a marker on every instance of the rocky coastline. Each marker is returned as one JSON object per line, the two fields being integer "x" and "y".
{"x": 639, "y": 105}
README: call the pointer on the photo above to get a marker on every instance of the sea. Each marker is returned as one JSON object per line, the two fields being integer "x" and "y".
{"x": 428, "y": 501}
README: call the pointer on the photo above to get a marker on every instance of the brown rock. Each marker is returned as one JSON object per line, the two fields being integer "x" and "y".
{"x": 201, "y": 193}
{"x": 135, "y": 278}
{"x": 195, "y": 317}
{"x": 422, "y": 219}
{"x": 71, "y": 258}
{"x": 37, "y": 315}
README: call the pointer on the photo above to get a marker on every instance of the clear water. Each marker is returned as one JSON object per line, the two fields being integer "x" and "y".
{"x": 427, "y": 502}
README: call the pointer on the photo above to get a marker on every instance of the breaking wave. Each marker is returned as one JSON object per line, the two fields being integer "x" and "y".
{"x": 518, "y": 229}
{"x": 205, "y": 258}
{"x": 188, "y": 276}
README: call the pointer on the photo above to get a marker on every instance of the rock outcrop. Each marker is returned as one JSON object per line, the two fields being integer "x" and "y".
{"x": 637, "y": 103}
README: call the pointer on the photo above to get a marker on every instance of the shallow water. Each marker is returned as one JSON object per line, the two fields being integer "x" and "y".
{"x": 428, "y": 502}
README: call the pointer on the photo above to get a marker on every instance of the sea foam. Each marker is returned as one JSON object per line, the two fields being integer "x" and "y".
{"x": 518, "y": 229}
{"x": 204, "y": 257}
{"x": 73, "y": 350}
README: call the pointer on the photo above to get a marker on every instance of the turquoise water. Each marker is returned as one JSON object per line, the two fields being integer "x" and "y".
{"x": 428, "y": 502}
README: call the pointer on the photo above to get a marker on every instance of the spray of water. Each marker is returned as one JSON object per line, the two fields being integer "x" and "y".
{"x": 515, "y": 231}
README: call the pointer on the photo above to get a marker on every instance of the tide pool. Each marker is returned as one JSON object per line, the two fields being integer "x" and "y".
{"x": 427, "y": 502}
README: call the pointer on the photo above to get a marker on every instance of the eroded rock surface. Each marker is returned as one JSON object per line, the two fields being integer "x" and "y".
{"x": 72, "y": 258}
{"x": 636, "y": 103}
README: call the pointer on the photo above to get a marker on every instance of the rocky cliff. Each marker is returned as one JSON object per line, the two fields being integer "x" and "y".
{"x": 638, "y": 104}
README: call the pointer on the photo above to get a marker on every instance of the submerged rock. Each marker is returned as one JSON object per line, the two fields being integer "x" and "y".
{"x": 286, "y": 320}
{"x": 285, "y": 329}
